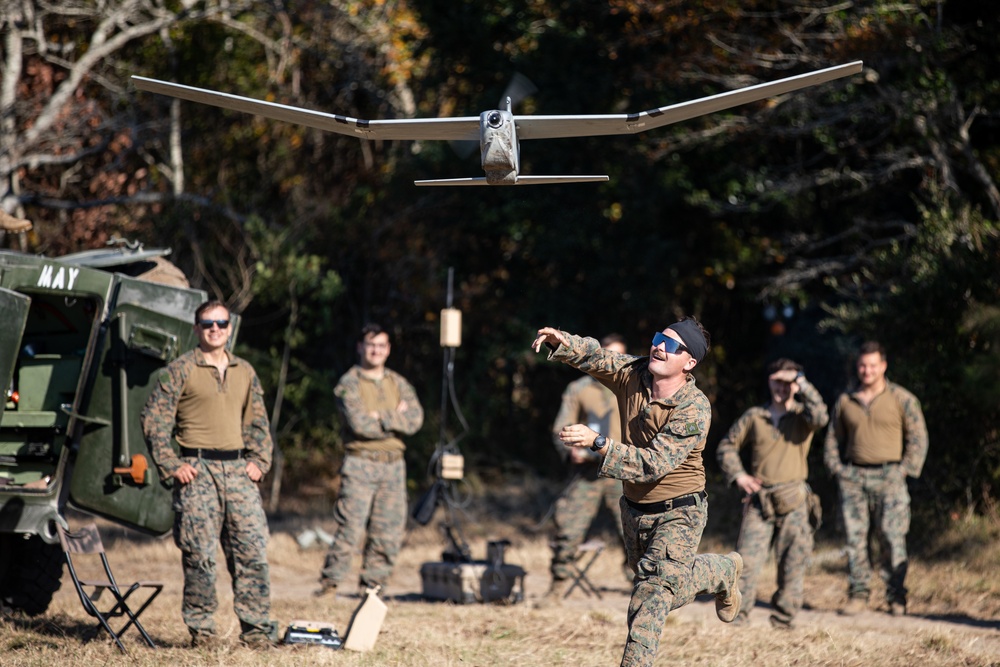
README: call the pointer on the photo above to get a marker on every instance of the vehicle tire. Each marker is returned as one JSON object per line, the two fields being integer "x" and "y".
{"x": 30, "y": 573}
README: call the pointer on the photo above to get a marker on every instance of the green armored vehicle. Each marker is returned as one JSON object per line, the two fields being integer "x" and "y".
{"x": 81, "y": 340}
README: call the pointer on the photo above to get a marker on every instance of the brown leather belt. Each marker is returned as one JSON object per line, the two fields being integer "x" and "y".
{"x": 667, "y": 505}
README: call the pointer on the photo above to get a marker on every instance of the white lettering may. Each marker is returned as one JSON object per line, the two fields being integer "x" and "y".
{"x": 53, "y": 279}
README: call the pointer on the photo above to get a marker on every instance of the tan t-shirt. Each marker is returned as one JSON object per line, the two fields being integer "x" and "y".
{"x": 211, "y": 413}
{"x": 677, "y": 424}
{"x": 872, "y": 434}
{"x": 778, "y": 453}
{"x": 890, "y": 429}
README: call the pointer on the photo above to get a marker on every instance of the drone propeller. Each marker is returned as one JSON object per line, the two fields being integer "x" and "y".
{"x": 518, "y": 88}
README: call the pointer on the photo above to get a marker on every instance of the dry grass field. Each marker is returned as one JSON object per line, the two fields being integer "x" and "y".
{"x": 954, "y": 605}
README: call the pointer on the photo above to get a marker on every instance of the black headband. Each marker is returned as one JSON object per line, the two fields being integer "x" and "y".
{"x": 694, "y": 339}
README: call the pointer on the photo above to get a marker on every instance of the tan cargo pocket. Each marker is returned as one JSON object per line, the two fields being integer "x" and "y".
{"x": 787, "y": 497}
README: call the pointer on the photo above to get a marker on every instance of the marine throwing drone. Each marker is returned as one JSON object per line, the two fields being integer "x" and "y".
{"x": 499, "y": 131}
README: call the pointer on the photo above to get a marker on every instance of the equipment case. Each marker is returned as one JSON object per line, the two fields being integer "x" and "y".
{"x": 476, "y": 581}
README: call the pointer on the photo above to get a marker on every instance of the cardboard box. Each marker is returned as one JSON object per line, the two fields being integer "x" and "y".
{"x": 365, "y": 623}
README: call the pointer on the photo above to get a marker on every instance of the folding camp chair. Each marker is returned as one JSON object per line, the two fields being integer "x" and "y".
{"x": 86, "y": 540}
{"x": 586, "y": 554}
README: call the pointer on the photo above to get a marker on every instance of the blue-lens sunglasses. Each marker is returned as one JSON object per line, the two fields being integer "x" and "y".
{"x": 669, "y": 344}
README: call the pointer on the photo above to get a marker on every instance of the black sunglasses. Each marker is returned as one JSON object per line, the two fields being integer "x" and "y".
{"x": 207, "y": 324}
{"x": 669, "y": 344}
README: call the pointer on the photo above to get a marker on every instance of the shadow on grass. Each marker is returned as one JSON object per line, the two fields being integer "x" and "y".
{"x": 83, "y": 631}
{"x": 960, "y": 619}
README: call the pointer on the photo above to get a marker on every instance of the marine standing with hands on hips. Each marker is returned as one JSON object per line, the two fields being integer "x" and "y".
{"x": 212, "y": 402}
{"x": 665, "y": 421}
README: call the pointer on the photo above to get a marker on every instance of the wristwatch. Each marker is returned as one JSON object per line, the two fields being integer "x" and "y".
{"x": 599, "y": 443}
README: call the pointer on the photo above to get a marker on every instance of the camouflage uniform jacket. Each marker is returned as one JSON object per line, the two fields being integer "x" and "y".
{"x": 779, "y": 453}
{"x": 159, "y": 416}
{"x": 663, "y": 439}
{"x": 895, "y": 405}
{"x": 377, "y": 432}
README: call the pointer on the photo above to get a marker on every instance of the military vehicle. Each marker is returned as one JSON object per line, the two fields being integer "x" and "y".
{"x": 82, "y": 339}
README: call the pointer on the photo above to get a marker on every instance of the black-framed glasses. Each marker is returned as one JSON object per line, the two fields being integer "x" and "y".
{"x": 207, "y": 324}
{"x": 669, "y": 344}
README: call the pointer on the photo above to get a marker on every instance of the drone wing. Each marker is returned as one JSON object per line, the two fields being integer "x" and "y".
{"x": 459, "y": 128}
{"x": 552, "y": 127}
{"x": 467, "y": 128}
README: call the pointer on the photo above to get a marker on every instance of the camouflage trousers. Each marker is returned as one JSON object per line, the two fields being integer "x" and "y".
{"x": 222, "y": 506}
{"x": 575, "y": 511}
{"x": 373, "y": 499}
{"x": 791, "y": 535}
{"x": 662, "y": 549}
{"x": 876, "y": 501}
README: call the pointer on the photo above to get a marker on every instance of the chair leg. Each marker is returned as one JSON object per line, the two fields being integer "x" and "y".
{"x": 580, "y": 577}
{"x": 133, "y": 616}
{"x": 103, "y": 623}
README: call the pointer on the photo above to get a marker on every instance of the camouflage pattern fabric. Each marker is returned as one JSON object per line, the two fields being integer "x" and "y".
{"x": 381, "y": 430}
{"x": 662, "y": 549}
{"x": 659, "y": 458}
{"x": 372, "y": 498}
{"x": 575, "y": 511}
{"x": 876, "y": 499}
{"x": 792, "y": 537}
{"x": 584, "y": 401}
{"x": 222, "y": 501}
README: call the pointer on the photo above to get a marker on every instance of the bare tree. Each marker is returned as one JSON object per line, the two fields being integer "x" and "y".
{"x": 51, "y": 126}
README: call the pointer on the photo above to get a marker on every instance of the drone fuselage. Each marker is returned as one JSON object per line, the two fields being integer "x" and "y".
{"x": 499, "y": 146}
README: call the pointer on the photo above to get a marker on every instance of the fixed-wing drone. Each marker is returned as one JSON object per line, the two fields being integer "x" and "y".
{"x": 499, "y": 131}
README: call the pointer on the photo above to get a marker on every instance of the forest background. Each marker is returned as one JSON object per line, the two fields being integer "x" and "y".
{"x": 798, "y": 226}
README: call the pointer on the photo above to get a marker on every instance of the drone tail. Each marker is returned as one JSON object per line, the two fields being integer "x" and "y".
{"x": 521, "y": 180}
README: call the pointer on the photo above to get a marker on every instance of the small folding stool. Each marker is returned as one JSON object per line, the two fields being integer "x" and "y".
{"x": 586, "y": 554}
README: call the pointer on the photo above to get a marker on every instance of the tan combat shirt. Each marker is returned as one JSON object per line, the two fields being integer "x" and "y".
{"x": 663, "y": 440}
{"x": 778, "y": 454}
{"x": 201, "y": 410}
{"x": 890, "y": 429}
